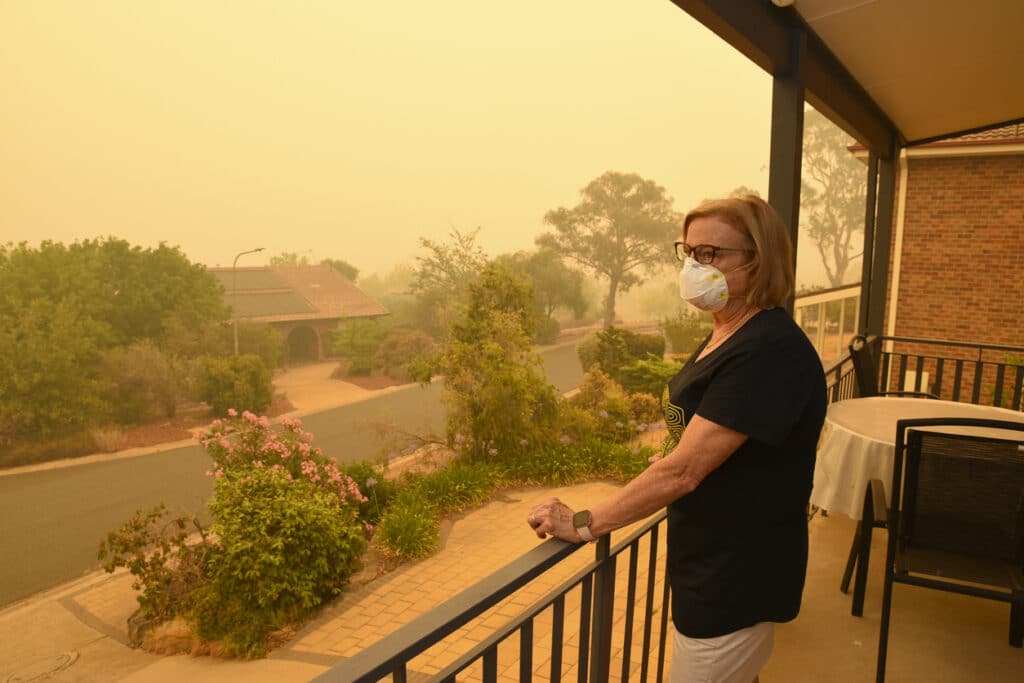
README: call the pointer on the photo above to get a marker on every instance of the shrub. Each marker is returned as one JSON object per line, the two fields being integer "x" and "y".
{"x": 375, "y": 487}
{"x": 498, "y": 398}
{"x": 409, "y": 529}
{"x": 289, "y": 535}
{"x": 400, "y": 347}
{"x": 640, "y": 345}
{"x": 546, "y": 331}
{"x": 240, "y": 443}
{"x": 614, "y": 348}
{"x": 685, "y": 332}
{"x": 284, "y": 547}
{"x": 157, "y": 553}
{"x": 645, "y": 409}
{"x": 606, "y": 400}
{"x": 240, "y": 382}
{"x": 357, "y": 341}
{"x": 648, "y": 376}
{"x": 143, "y": 382}
{"x": 260, "y": 339}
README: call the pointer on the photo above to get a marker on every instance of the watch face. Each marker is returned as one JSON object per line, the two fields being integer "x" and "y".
{"x": 581, "y": 519}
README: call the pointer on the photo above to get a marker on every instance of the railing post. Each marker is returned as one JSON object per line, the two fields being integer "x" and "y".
{"x": 604, "y": 603}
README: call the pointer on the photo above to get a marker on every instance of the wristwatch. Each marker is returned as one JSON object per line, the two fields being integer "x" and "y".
{"x": 581, "y": 521}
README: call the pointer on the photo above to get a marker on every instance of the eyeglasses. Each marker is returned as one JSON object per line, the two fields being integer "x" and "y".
{"x": 703, "y": 253}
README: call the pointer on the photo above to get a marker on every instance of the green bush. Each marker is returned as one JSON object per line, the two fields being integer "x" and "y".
{"x": 238, "y": 382}
{"x": 284, "y": 546}
{"x": 409, "y": 529}
{"x": 613, "y": 348}
{"x": 356, "y": 342}
{"x": 640, "y": 345}
{"x": 376, "y": 488}
{"x": 607, "y": 401}
{"x": 546, "y": 331}
{"x": 143, "y": 382}
{"x": 458, "y": 486}
{"x": 648, "y": 376}
{"x": 497, "y": 395}
{"x": 399, "y": 348}
{"x": 685, "y": 332}
{"x": 260, "y": 339}
{"x": 167, "y": 568}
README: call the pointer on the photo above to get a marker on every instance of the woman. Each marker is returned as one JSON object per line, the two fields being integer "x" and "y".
{"x": 737, "y": 480}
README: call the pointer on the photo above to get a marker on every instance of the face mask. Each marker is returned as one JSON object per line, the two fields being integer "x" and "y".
{"x": 703, "y": 285}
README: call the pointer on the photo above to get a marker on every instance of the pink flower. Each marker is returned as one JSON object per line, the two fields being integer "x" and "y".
{"x": 232, "y": 412}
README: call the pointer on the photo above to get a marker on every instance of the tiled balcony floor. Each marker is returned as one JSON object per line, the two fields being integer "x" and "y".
{"x": 934, "y": 635}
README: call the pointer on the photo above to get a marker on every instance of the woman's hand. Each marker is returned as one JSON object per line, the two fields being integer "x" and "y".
{"x": 553, "y": 517}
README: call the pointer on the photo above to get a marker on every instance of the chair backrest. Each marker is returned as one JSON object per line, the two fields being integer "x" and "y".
{"x": 961, "y": 493}
{"x": 865, "y": 369}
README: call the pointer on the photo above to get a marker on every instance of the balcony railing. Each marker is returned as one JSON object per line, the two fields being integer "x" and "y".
{"x": 606, "y": 600}
{"x": 984, "y": 374}
{"x": 583, "y": 628}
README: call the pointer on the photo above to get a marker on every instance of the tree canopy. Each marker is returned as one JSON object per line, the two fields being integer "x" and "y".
{"x": 442, "y": 277}
{"x": 621, "y": 230}
{"x": 832, "y": 196}
{"x": 64, "y": 306}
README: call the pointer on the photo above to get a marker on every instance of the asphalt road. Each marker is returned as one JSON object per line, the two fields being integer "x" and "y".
{"x": 51, "y": 521}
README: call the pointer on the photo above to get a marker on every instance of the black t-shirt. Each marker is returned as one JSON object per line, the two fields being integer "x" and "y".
{"x": 737, "y": 544}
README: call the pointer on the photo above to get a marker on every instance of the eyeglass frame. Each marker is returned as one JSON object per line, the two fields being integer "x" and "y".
{"x": 713, "y": 247}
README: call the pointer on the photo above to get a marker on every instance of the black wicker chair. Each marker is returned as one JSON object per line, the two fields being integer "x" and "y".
{"x": 865, "y": 369}
{"x": 956, "y": 517}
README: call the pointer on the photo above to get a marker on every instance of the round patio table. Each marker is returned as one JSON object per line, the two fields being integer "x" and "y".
{"x": 858, "y": 444}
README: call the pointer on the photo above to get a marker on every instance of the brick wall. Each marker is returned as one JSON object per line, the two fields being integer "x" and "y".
{"x": 962, "y": 271}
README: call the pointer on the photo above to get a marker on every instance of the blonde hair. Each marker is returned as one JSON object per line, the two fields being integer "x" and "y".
{"x": 771, "y": 274}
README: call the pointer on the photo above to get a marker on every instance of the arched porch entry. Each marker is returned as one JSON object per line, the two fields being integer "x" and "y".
{"x": 303, "y": 345}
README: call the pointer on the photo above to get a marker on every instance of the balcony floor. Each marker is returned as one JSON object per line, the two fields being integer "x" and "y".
{"x": 934, "y": 635}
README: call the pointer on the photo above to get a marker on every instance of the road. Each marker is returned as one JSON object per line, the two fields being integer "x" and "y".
{"x": 53, "y": 520}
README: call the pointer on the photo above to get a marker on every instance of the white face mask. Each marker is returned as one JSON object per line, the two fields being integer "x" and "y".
{"x": 703, "y": 285}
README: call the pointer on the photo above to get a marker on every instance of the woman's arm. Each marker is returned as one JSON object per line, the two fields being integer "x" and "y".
{"x": 703, "y": 447}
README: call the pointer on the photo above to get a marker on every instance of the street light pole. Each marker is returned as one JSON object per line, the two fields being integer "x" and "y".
{"x": 234, "y": 288}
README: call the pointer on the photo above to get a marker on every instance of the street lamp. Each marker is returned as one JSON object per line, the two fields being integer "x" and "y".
{"x": 234, "y": 287}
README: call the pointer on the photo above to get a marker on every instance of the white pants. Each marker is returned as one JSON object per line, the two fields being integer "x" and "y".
{"x": 733, "y": 658}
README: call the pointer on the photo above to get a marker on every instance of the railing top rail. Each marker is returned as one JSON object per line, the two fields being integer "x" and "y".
{"x": 942, "y": 342}
{"x": 386, "y": 655}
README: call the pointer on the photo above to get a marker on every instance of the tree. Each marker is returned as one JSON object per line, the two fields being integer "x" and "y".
{"x": 63, "y": 307}
{"x": 833, "y": 196}
{"x": 289, "y": 258}
{"x": 343, "y": 267}
{"x": 623, "y": 226}
{"x": 498, "y": 397}
{"x": 441, "y": 281}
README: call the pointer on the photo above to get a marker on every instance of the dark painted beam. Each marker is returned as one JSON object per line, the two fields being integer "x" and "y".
{"x": 762, "y": 32}
{"x": 870, "y": 207}
{"x": 787, "y": 136}
{"x": 879, "y": 283}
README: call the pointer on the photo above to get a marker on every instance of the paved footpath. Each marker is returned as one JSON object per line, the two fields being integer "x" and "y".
{"x": 78, "y": 631}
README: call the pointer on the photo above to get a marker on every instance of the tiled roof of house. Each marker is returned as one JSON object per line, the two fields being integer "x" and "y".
{"x": 290, "y": 293}
{"x": 1000, "y": 134}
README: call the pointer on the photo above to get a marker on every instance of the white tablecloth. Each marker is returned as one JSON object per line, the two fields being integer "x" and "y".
{"x": 858, "y": 444}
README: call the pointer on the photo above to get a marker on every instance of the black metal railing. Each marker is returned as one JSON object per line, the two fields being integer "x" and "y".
{"x": 958, "y": 371}
{"x": 983, "y": 374}
{"x": 602, "y": 619}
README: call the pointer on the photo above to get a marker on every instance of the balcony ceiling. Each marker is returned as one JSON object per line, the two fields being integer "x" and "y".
{"x": 920, "y": 68}
{"x": 934, "y": 68}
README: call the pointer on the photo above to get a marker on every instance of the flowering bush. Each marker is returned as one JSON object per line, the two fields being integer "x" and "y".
{"x": 247, "y": 441}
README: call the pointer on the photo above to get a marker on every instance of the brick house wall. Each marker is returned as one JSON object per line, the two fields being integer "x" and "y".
{"x": 961, "y": 272}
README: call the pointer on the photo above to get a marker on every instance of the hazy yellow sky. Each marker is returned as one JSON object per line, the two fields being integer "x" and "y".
{"x": 347, "y": 129}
